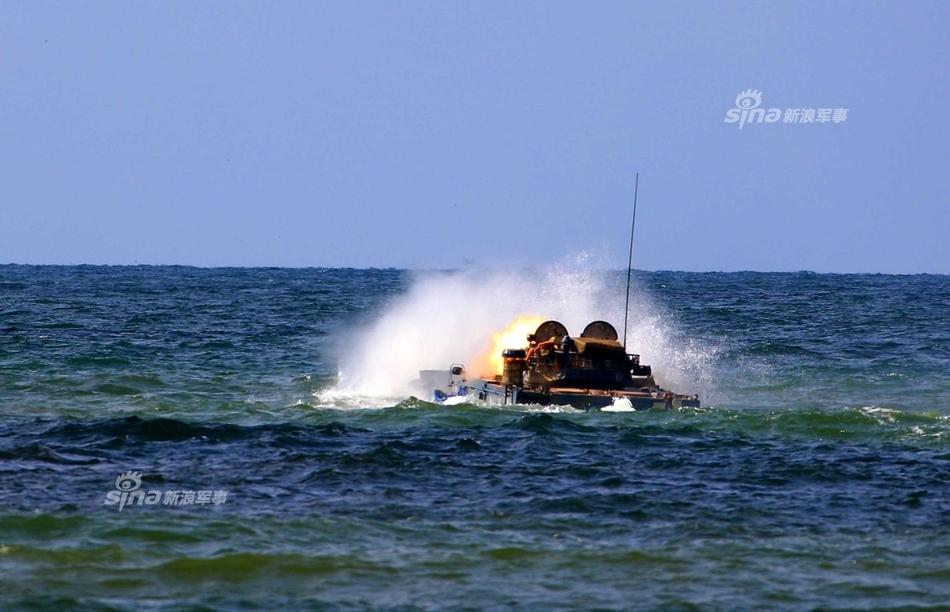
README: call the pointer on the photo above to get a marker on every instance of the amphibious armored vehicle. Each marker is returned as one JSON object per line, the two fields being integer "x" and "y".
{"x": 592, "y": 370}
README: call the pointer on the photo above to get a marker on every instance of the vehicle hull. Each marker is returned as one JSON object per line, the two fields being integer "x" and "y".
{"x": 495, "y": 392}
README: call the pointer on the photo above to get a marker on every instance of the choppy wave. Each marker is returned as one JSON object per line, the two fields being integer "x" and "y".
{"x": 814, "y": 475}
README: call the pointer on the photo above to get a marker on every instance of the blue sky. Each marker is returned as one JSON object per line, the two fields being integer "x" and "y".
{"x": 428, "y": 134}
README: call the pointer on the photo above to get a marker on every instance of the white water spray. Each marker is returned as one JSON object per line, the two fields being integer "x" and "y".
{"x": 450, "y": 318}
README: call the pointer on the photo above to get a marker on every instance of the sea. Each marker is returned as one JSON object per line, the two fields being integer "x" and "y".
{"x": 238, "y": 438}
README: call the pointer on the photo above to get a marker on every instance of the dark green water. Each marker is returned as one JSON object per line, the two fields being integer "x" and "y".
{"x": 817, "y": 474}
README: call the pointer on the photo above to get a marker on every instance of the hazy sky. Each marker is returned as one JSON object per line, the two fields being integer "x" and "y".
{"x": 424, "y": 134}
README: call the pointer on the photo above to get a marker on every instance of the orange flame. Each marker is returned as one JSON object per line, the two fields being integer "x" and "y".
{"x": 512, "y": 337}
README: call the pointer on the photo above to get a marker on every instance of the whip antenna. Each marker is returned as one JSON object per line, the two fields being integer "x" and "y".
{"x": 633, "y": 224}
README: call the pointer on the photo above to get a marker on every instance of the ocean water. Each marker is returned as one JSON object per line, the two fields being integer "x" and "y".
{"x": 816, "y": 474}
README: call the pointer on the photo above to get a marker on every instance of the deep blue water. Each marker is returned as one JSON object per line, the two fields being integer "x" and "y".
{"x": 816, "y": 474}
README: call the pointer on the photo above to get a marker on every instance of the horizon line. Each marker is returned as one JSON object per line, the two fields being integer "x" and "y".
{"x": 456, "y": 269}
